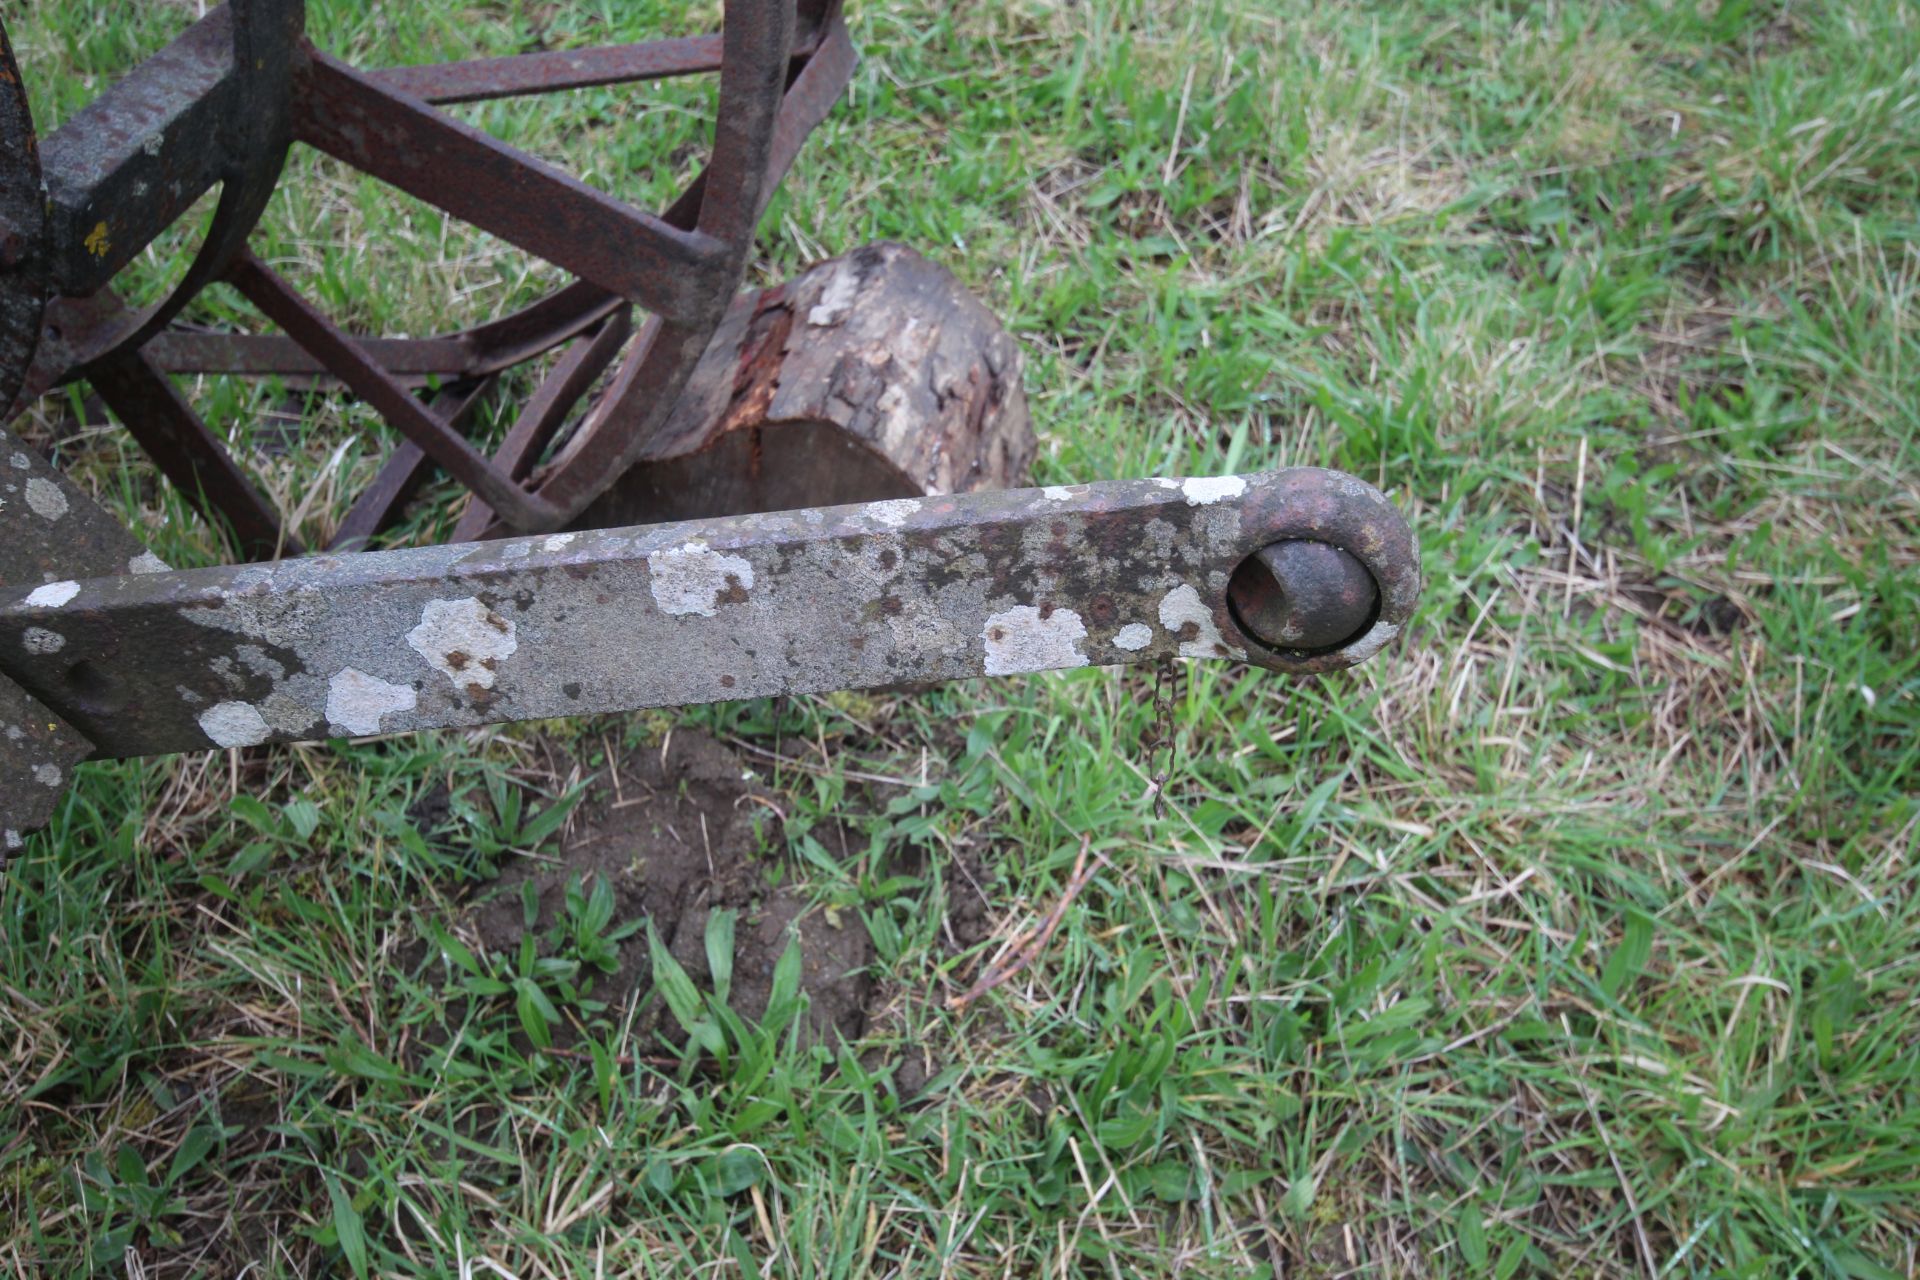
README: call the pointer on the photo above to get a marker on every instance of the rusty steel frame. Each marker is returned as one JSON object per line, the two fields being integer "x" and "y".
{"x": 224, "y": 102}
{"x": 994, "y": 583}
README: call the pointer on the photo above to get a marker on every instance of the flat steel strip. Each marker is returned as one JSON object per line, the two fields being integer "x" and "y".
{"x": 943, "y": 588}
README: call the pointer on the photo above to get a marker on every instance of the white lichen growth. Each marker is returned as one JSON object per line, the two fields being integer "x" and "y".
{"x": 358, "y": 702}
{"x": 1025, "y": 638}
{"x": 1201, "y": 491}
{"x": 463, "y": 640}
{"x": 234, "y": 724}
{"x": 1187, "y": 616}
{"x": 53, "y": 595}
{"x": 694, "y": 579}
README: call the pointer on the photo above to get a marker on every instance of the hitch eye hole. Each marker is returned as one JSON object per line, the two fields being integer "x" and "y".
{"x": 1302, "y": 596}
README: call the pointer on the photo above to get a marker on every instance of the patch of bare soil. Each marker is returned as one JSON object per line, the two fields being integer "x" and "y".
{"x": 678, "y": 832}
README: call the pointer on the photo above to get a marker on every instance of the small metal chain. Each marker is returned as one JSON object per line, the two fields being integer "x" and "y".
{"x": 1166, "y": 676}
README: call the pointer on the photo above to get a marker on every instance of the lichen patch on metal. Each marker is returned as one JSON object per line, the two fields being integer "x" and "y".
{"x": 234, "y": 724}
{"x": 1133, "y": 637}
{"x": 52, "y": 596}
{"x": 1203, "y": 491}
{"x": 45, "y": 498}
{"x": 358, "y": 702}
{"x": 42, "y": 641}
{"x": 464, "y": 641}
{"x": 1025, "y": 638}
{"x": 894, "y": 512}
{"x": 695, "y": 579}
{"x": 1187, "y": 616}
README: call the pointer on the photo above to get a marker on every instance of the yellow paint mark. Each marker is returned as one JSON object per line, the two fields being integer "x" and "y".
{"x": 97, "y": 242}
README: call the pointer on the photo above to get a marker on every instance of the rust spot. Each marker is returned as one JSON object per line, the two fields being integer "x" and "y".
{"x": 996, "y": 634}
{"x": 457, "y": 659}
{"x": 726, "y": 682}
{"x": 571, "y": 688}
{"x": 758, "y": 374}
{"x": 498, "y": 623}
{"x": 888, "y": 557}
{"x": 1189, "y": 630}
{"x": 1046, "y": 610}
{"x": 891, "y": 606}
{"x": 734, "y": 594}
{"x": 491, "y": 664}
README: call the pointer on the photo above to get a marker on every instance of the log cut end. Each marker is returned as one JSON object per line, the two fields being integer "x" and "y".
{"x": 874, "y": 375}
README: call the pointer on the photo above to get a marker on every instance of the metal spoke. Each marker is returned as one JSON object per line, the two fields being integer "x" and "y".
{"x": 154, "y": 412}
{"x": 348, "y": 361}
{"x": 523, "y": 200}
{"x": 405, "y": 470}
{"x": 484, "y": 79}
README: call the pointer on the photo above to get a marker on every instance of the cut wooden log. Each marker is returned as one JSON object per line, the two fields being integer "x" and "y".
{"x": 873, "y": 375}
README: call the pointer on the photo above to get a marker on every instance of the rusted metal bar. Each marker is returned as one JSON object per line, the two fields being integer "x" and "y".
{"x": 500, "y": 189}
{"x": 279, "y": 302}
{"x": 992, "y": 583}
{"x": 242, "y": 145}
{"x": 544, "y": 414}
{"x": 756, "y": 47}
{"x": 410, "y": 360}
{"x": 154, "y": 412}
{"x": 809, "y": 99}
{"x": 125, "y": 166}
{"x": 23, "y": 279}
{"x": 484, "y": 79}
{"x": 379, "y": 505}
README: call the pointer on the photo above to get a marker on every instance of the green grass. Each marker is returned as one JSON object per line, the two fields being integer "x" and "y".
{"x": 1576, "y": 935}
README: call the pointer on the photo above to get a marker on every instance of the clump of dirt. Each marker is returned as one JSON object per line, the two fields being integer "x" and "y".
{"x": 678, "y": 832}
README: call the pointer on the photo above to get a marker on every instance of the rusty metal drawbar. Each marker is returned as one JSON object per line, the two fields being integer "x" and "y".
{"x": 995, "y": 583}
